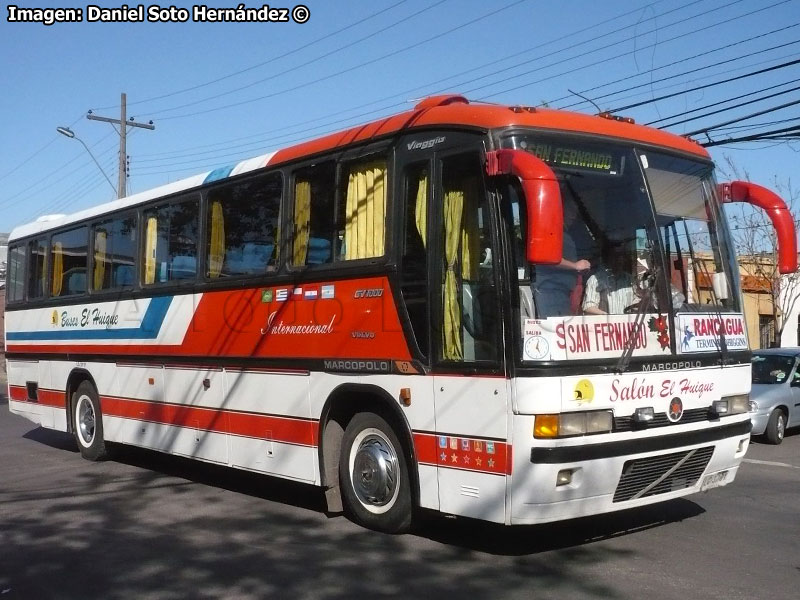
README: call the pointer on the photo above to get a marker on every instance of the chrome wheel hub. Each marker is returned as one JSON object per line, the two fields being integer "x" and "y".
{"x": 375, "y": 470}
{"x": 86, "y": 420}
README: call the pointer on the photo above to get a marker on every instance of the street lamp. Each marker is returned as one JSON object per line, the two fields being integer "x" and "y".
{"x": 66, "y": 131}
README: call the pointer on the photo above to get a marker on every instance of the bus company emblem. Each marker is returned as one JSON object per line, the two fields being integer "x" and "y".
{"x": 425, "y": 144}
{"x": 675, "y": 411}
{"x": 54, "y": 318}
{"x": 584, "y": 392}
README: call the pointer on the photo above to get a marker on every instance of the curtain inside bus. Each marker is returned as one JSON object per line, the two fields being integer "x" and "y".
{"x": 58, "y": 268}
{"x": 421, "y": 208}
{"x": 365, "y": 212}
{"x": 99, "y": 259}
{"x": 453, "y": 210}
{"x": 151, "y": 237}
{"x": 302, "y": 221}
{"x": 216, "y": 251}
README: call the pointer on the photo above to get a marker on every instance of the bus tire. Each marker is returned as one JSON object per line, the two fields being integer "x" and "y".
{"x": 373, "y": 475}
{"x": 88, "y": 422}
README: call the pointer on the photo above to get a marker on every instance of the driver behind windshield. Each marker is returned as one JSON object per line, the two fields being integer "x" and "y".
{"x": 609, "y": 290}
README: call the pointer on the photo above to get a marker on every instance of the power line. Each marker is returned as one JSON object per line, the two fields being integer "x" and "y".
{"x": 706, "y": 130}
{"x": 573, "y": 45}
{"x": 266, "y": 62}
{"x": 439, "y": 81}
{"x": 605, "y": 60}
{"x": 684, "y": 60}
{"x": 308, "y": 62}
{"x": 687, "y": 82}
{"x": 36, "y": 153}
{"x": 8, "y": 200}
{"x": 708, "y": 85}
{"x": 355, "y": 67}
{"x": 739, "y": 97}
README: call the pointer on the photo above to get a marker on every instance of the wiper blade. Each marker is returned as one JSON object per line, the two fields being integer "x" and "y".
{"x": 649, "y": 278}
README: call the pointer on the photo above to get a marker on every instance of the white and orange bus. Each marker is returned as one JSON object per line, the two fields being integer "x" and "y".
{"x": 512, "y": 314}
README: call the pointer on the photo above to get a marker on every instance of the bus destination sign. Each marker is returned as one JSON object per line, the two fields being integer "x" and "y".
{"x": 574, "y": 157}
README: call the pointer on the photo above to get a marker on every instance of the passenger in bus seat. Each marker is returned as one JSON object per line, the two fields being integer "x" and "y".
{"x": 609, "y": 289}
{"x": 557, "y": 288}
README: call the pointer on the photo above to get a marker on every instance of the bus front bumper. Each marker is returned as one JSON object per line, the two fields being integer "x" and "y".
{"x": 565, "y": 479}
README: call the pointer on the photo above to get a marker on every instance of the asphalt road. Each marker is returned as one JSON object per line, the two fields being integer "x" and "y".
{"x": 150, "y": 526}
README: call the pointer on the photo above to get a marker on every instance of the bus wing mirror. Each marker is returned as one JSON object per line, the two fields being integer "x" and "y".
{"x": 777, "y": 211}
{"x": 544, "y": 236}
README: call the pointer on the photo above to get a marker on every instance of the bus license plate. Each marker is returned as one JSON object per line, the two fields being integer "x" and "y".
{"x": 714, "y": 480}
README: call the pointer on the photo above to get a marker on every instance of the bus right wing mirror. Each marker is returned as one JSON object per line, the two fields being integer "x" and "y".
{"x": 544, "y": 237}
{"x": 777, "y": 211}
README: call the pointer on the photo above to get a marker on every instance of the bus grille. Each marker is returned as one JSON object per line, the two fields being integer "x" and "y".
{"x": 655, "y": 475}
{"x": 694, "y": 415}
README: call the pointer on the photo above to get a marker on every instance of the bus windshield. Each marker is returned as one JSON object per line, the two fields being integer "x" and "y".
{"x": 643, "y": 237}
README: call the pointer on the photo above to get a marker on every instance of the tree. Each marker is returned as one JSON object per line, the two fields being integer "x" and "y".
{"x": 756, "y": 246}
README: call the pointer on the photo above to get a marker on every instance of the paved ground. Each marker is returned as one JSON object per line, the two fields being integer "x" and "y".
{"x": 149, "y": 526}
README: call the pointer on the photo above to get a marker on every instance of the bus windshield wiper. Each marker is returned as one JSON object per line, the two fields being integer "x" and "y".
{"x": 648, "y": 283}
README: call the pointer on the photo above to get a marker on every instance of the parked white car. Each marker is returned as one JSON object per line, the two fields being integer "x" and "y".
{"x": 775, "y": 395}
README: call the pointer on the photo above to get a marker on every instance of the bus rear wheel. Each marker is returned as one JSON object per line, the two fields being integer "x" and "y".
{"x": 373, "y": 474}
{"x": 88, "y": 422}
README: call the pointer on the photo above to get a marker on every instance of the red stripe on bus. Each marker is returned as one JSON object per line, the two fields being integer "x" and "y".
{"x": 54, "y": 398}
{"x": 18, "y": 393}
{"x": 465, "y": 453}
{"x": 266, "y": 427}
{"x": 353, "y": 319}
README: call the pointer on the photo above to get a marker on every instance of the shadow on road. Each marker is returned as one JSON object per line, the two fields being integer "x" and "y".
{"x": 466, "y": 533}
{"x": 168, "y": 527}
{"x": 535, "y": 539}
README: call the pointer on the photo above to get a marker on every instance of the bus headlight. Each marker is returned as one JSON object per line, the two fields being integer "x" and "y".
{"x": 572, "y": 424}
{"x": 731, "y": 405}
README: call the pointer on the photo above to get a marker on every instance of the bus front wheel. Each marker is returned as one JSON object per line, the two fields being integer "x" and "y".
{"x": 88, "y": 422}
{"x": 373, "y": 474}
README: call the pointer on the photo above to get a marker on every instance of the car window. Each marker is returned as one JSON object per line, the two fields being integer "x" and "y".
{"x": 771, "y": 368}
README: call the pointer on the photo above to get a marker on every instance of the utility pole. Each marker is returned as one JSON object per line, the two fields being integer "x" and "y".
{"x": 123, "y": 131}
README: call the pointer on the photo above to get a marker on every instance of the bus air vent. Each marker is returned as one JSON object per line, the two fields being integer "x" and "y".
{"x": 442, "y": 100}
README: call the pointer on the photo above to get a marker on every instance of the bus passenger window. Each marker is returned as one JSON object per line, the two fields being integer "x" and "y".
{"x": 414, "y": 274}
{"x": 243, "y": 227}
{"x": 69, "y": 255}
{"x": 15, "y": 277}
{"x": 114, "y": 254}
{"x": 314, "y": 224}
{"x": 362, "y": 211}
{"x": 171, "y": 239}
{"x": 37, "y": 268}
{"x": 470, "y": 327}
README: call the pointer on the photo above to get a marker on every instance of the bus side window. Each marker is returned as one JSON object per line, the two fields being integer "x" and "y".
{"x": 15, "y": 278}
{"x": 243, "y": 227}
{"x": 313, "y": 215}
{"x": 171, "y": 241}
{"x": 114, "y": 253}
{"x": 69, "y": 255}
{"x": 37, "y": 268}
{"x": 414, "y": 274}
{"x": 362, "y": 210}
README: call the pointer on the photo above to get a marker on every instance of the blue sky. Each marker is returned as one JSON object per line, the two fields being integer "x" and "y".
{"x": 221, "y": 92}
